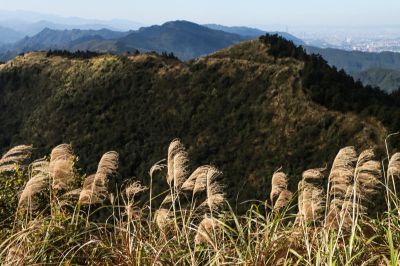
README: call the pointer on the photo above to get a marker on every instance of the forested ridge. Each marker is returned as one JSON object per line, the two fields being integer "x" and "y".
{"x": 250, "y": 109}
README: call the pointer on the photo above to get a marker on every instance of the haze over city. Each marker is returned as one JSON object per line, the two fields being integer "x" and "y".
{"x": 253, "y": 12}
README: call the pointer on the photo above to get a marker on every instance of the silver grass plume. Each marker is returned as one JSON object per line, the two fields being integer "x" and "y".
{"x": 130, "y": 192}
{"x": 158, "y": 166}
{"x": 359, "y": 196}
{"x": 133, "y": 189}
{"x": 299, "y": 202}
{"x": 206, "y": 230}
{"x": 163, "y": 219}
{"x": 311, "y": 195}
{"x": 38, "y": 182}
{"x": 340, "y": 181}
{"x": 278, "y": 185}
{"x": 181, "y": 165}
{"x": 177, "y": 174}
{"x": 167, "y": 201}
{"x": 283, "y": 200}
{"x": 393, "y": 173}
{"x": 342, "y": 172}
{"x": 95, "y": 187}
{"x": 177, "y": 163}
{"x": 199, "y": 177}
{"x": 19, "y": 155}
{"x": 200, "y": 186}
{"x": 215, "y": 191}
{"x": 368, "y": 181}
{"x": 61, "y": 168}
{"x": 70, "y": 197}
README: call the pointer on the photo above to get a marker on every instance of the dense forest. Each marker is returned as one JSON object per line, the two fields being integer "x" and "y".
{"x": 249, "y": 109}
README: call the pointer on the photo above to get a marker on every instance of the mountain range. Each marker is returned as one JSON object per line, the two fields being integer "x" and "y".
{"x": 188, "y": 40}
{"x": 30, "y": 23}
{"x": 375, "y": 69}
{"x": 254, "y": 32}
{"x": 180, "y": 37}
{"x": 9, "y": 35}
{"x": 185, "y": 39}
{"x": 249, "y": 109}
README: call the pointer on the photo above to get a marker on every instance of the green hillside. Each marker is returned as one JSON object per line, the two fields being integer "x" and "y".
{"x": 185, "y": 39}
{"x": 249, "y": 109}
{"x": 387, "y": 79}
{"x": 374, "y": 69}
{"x": 356, "y": 61}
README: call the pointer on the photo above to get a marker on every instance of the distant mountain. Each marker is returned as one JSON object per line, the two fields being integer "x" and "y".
{"x": 66, "y": 39}
{"x": 355, "y": 61}
{"x": 31, "y": 23}
{"x": 243, "y": 31}
{"x": 185, "y": 39}
{"x": 375, "y": 69}
{"x": 31, "y": 29}
{"x": 387, "y": 79}
{"x": 254, "y": 32}
{"x": 8, "y": 35}
{"x": 49, "y": 38}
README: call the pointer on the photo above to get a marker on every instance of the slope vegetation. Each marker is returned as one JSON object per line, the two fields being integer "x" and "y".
{"x": 249, "y": 109}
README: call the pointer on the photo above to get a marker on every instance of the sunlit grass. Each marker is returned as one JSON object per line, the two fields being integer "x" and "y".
{"x": 125, "y": 230}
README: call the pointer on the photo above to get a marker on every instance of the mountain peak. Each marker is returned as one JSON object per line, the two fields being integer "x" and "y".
{"x": 180, "y": 23}
{"x": 47, "y": 30}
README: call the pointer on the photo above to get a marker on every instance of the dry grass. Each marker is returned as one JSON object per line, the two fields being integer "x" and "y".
{"x": 16, "y": 157}
{"x": 311, "y": 196}
{"x": 61, "y": 167}
{"x": 96, "y": 187}
{"x": 279, "y": 184}
{"x": 340, "y": 182}
{"x": 283, "y": 200}
{"x": 196, "y": 226}
{"x": 393, "y": 174}
{"x": 37, "y": 183}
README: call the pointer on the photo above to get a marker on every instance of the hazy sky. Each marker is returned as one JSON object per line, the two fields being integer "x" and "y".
{"x": 229, "y": 12}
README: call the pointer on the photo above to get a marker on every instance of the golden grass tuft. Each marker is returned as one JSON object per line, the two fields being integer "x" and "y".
{"x": 96, "y": 187}
{"x": 181, "y": 165}
{"x": 163, "y": 219}
{"x": 38, "y": 182}
{"x": 200, "y": 185}
{"x": 133, "y": 189}
{"x": 199, "y": 193}
{"x": 199, "y": 177}
{"x": 215, "y": 190}
{"x": 340, "y": 183}
{"x": 179, "y": 234}
{"x": 311, "y": 201}
{"x": 368, "y": 179}
{"x": 17, "y": 156}
{"x": 279, "y": 184}
{"x": 283, "y": 200}
{"x": 61, "y": 168}
{"x": 175, "y": 148}
{"x": 342, "y": 172}
{"x": 393, "y": 173}
{"x": 206, "y": 231}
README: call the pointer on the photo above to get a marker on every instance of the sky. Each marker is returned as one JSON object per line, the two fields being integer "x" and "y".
{"x": 229, "y": 12}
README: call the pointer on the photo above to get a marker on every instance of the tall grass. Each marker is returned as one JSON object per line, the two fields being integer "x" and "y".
{"x": 91, "y": 221}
